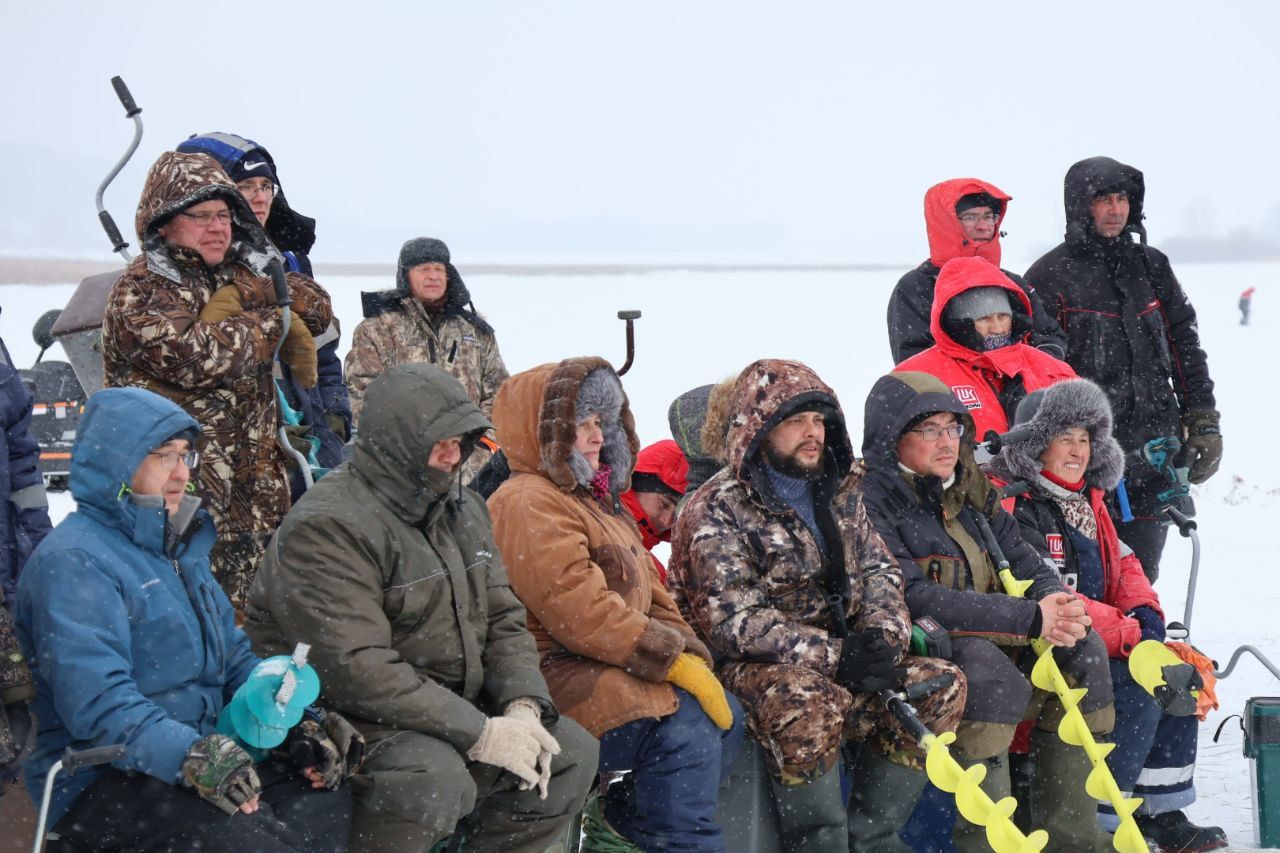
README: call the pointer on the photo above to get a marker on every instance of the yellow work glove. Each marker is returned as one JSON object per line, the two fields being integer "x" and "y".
{"x": 299, "y": 352}
{"x": 691, "y": 673}
{"x": 224, "y": 303}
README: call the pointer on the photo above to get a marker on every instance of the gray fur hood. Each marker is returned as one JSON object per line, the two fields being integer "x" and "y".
{"x": 1051, "y": 412}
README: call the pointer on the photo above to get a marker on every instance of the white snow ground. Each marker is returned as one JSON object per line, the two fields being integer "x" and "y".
{"x": 699, "y": 327}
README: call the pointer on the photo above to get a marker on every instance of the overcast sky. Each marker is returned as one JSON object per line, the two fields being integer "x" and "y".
{"x": 720, "y": 130}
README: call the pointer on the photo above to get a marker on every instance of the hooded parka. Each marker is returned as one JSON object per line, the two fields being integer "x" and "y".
{"x": 911, "y": 303}
{"x": 989, "y": 383}
{"x": 607, "y": 631}
{"x": 389, "y": 570}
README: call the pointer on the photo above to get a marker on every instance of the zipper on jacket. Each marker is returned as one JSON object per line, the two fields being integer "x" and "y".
{"x": 453, "y": 351}
{"x": 431, "y": 348}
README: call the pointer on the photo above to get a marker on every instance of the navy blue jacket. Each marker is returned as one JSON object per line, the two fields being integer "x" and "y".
{"x": 130, "y": 639}
{"x": 24, "y": 520}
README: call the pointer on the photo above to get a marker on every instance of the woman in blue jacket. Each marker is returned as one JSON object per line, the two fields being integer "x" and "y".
{"x": 132, "y": 641}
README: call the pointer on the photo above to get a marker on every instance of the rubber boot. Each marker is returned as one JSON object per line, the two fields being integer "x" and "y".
{"x": 883, "y": 797}
{"x": 1059, "y": 803}
{"x": 997, "y": 785}
{"x": 811, "y": 816}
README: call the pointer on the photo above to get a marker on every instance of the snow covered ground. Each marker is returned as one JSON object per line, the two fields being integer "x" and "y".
{"x": 699, "y": 327}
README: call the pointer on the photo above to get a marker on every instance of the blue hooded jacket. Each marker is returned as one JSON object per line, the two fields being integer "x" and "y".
{"x": 130, "y": 641}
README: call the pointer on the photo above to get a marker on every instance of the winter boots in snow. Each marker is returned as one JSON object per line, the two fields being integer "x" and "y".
{"x": 882, "y": 799}
{"x": 811, "y": 817}
{"x": 1173, "y": 833}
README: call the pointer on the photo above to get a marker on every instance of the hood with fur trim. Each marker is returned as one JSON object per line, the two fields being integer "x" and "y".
{"x": 1069, "y": 403}
{"x": 946, "y": 237}
{"x": 536, "y": 415}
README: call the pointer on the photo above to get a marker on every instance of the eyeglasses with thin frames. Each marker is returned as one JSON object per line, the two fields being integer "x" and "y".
{"x": 205, "y": 218}
{"x": 248, "y": 189}
{"x": 933, "y": 433}
{"x": 975, "y": 218}
{"x": 169, "y": 458}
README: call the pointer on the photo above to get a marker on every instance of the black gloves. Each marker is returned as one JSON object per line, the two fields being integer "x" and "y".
{"x": 326, "y": 741}
{"x": 1202, "y": 448}
{"x": 869, "y": 664}
{"x": 1150, "y": 622}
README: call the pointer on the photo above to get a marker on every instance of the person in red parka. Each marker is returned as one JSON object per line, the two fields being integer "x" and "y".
{"x": 657, "y": 484}
{"x": 981, "y": 322}
{"x": 962, "y": 217}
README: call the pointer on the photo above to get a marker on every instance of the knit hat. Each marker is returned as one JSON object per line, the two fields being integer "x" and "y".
{"x": 254, "y": 164}
{"x": 422, "y": 250}
{"x": 979, "y": 302}
{"x": 972, "y": 200}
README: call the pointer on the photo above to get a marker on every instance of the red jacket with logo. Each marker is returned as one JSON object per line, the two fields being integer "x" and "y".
{"x": 978, "y": 378}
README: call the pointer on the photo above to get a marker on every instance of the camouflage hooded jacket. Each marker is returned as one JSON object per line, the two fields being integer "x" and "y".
{"x": 220, "y": 373}
{"x": 752, "y": 574}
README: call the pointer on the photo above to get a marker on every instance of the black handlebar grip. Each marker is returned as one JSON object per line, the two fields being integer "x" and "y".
{"x": 113, "y": 233}
{"x": 73, "y": 760}
{"x": 1185, "y": 525}
{"x": 275, "y": 269}
{"x": 131, "y": 109}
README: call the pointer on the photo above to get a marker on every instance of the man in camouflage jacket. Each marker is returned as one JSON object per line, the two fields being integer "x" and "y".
{"x": 198, "y": 238}
{"x": 762, "y": 550}
{"x": 429, "y": 317}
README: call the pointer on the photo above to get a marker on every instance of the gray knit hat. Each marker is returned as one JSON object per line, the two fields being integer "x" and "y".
{"x": 979, "y": 302}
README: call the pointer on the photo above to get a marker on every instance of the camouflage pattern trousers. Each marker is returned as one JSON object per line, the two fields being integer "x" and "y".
{"x": 801, "y": 716}
{"x": 234, "y": 563}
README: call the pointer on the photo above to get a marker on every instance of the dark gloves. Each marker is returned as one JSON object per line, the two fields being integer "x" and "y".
{"x": 326, "y": 741}
{"x": 1202, "y": 448}
{"x": 869, "y": 664}
{"x": 221, "y": 772}
{"x": 1151, "y": 623}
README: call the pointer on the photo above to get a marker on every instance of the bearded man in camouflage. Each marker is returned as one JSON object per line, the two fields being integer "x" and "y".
{"x": 194, "y": 318}
{"x": 801, "y": 602}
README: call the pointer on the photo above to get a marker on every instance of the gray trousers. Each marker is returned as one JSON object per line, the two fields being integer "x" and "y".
{"x": 414, "y": 790}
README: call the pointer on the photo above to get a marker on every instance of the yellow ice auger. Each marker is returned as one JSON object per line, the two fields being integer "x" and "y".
{"x": 1046, "y": 675}
{"x": 945, "y": 772}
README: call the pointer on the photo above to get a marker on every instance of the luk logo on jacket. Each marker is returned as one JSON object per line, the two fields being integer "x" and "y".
{"x": 967, "y": 396}
{"x": 1058, "y": 556}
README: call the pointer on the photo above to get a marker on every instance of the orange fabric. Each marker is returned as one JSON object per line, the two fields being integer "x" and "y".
{"x": 1204, "y": 665}
{"x": 946, "y": 237}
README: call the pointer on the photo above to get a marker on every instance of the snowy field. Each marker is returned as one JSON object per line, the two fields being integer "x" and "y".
{"x": 700, "y": 327}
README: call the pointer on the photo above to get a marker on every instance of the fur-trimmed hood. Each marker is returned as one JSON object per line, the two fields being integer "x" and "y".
{"x": 1049, "y": 413}
{"x": 536, "y": 415}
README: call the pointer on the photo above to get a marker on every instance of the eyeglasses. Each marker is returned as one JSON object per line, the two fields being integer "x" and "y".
{"x": 205, "y": 217}
{"x": 169, "y": 458}
{"x": 933, "y": 433}
{"x": 249, "y": 189}
{"x": 975, "y": 218}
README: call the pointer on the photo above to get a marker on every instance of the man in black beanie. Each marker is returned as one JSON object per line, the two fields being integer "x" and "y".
{"x": 429, "y": 317}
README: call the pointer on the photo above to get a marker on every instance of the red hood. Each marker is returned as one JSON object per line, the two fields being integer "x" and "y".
{"x": 956, "y": 277}
{"x": 665, "y": 460}
{"x": 946, "y": 238}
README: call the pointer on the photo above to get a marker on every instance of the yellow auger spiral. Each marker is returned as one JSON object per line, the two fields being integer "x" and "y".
{"x": 1101, "y": 785}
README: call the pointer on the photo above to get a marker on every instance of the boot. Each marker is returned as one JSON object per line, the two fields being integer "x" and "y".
{"x": 1173, "y": 833}
{"x": 1059, "y": 803}
{"x": 811, "y": 816}
{"x": 997, "y": 785}
{"x": 883, "y": 797}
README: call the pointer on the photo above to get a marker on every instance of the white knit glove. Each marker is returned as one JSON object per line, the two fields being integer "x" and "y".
{"x": 530, "y": 711}
{"x": 514, "y": 745}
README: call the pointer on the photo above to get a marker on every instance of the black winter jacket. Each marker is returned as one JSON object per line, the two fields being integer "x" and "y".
{"x": 1129, "y": 326}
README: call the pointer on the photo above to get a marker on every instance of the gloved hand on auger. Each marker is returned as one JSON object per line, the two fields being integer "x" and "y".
{"x": 222, "y": 773}
{"x": 1202, "y": 448}
{"x": 869, "y": 664}
{"x": 299, "y": 349}
{"x": 691, "y": 673}
{"x": 326, "y": 748}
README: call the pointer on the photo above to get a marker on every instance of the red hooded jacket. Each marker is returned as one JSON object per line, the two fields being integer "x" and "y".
{"x": 976, "y": 378}
{"x": 665, "y": 460}
{"x": 946, "y": 237}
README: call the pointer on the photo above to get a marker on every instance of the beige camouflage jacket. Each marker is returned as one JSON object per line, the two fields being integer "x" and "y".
{"x": 748, "y": 570}
{"x": 402, "y": 334}
{"x": 221, "y": 373}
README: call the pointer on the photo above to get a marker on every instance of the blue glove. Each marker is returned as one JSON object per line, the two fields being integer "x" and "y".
{"x": 1151, "y": 623}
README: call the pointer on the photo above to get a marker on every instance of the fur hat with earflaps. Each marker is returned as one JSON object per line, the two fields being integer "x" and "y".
{"x": 1049, "y": 413}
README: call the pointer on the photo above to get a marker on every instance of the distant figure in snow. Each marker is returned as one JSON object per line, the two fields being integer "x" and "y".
{"x": 1246, "y": 303}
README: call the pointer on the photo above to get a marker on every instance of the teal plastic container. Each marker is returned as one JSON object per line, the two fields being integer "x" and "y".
{"x": 1262, "y": 744}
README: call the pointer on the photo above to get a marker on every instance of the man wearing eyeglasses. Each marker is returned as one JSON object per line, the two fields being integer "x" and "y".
{"x": 1132, "y": 330}
{"x": 934, "y": 509}
{"x": 962, "y": 218}
{"x": 203, "y": 247}
{"x": 324, "y": 406}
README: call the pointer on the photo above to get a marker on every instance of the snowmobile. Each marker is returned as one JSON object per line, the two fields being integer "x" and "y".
{"x": 57, "y": 400}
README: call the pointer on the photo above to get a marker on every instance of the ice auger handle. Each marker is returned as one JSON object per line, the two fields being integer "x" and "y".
{"x": 630, "y": 317}
{"x": 73, "y": 760}
{"x": 131, "y": 109}
{"x": 1185, "y": 525}
{"x": 113, "y": 233}
{"x": 275, "y": 269}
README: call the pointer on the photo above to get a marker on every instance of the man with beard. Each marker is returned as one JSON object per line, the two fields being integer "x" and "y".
{"x": 801, "y": 602}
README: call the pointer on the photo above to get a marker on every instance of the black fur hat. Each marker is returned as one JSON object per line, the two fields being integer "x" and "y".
{"x": 1052, "y": 411}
